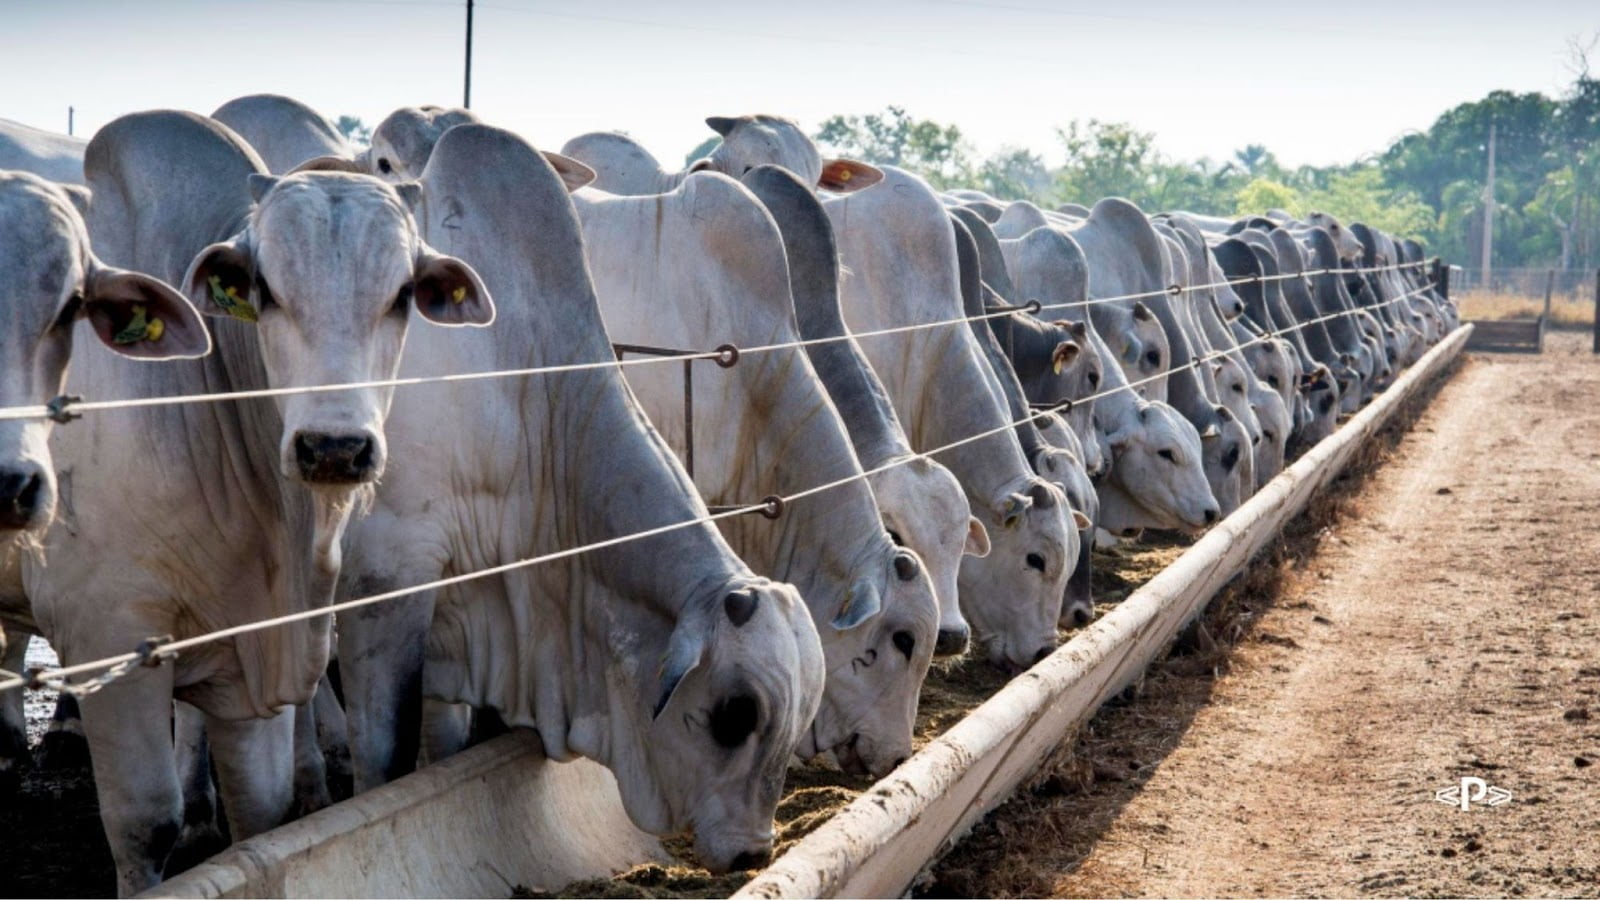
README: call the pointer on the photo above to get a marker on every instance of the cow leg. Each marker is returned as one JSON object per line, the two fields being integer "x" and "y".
{"x": 446, "y": 729}
{"x": 192, "y": 758}
{"x": 14, "y": 755}
{"x": 129, "y": 727}
{"x": 255, "y": 761}
{"x": 333, "y": 739}
{"x": 64, "y": 745}
{"x": 381, "y": 649}
{"x": 310, "y": 771}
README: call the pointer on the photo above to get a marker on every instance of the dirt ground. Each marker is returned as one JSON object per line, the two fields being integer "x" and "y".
{"x": 1446, "y": 625}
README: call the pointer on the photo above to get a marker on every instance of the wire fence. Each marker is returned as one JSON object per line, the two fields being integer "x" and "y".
{"x": 155, "y": 650}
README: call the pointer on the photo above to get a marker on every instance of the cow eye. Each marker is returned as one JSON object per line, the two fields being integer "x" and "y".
{"x": 1035, "y": 561}
{"x": 383, "y": 165}
{"x": 1167, "y": 455}
{"x": 905, "y": 643}
{"x": 1238, "y": 388}
{"x": 1153, "y": 358}
{"x": 69, "y": 312}
{"x": 733, "y": 720}
{"x": 1272, "y": 380}
{"x": 1094, "y": 379}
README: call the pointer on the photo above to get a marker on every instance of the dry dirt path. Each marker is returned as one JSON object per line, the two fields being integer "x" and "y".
{"x": 1447, "y": 626}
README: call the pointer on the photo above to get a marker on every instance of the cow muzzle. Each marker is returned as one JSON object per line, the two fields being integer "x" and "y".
{"x": 23, "y": 498}
{"x": 334, "y": 459}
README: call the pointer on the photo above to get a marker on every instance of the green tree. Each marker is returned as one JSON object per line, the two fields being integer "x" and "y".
{"x": 1262, "y": 194}
{"x": 702, "y": 150}
{"x": 358, "y": 134}
{"x": 933, "y": 150}
{"x": 1014, "y": 174}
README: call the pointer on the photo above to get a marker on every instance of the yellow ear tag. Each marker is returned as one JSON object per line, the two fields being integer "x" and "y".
{"x": 137, "y": 329}
{"x": 844, "y": 175}
{"x": 1057, "y": 366}
{"x": 459, "y": 294}
{"x": 230, "y": 301}
{"x": 156, "y": 330}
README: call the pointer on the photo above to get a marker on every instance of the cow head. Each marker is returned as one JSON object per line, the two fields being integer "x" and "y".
{"x": 1062, "y": 469}
{"x": 1160, "y": 461}
{"x": 49, "y": 280}
{"x": 723, "y": 711}
{"x": 878, "y": 646}
{"x": 1012, "y": 597}
{"x": 751, "y": 141}
{"x": 924, "y": 508}
{"x": 329, "y": 269}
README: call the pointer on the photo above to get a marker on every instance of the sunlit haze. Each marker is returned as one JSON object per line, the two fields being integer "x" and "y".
{"x": 1315, "y": 82}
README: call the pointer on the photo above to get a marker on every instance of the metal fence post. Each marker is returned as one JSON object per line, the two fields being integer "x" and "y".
{"x": 1544, "y": 320}
{"x": 1597, "y": 310}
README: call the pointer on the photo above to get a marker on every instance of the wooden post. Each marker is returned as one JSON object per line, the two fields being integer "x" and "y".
{"x": 1544, "y": 320}
{"x": 1597, "y": 310}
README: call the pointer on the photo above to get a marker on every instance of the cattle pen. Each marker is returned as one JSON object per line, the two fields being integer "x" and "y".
{"x": 387, "y": 841}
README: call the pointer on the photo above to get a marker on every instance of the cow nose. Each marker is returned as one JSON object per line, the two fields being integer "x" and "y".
{"x": 1211, "y": 514}
{"x": 19, "y": 497}
{"x": 952, "y": 641}
{"x": 1081, "y": 616}
{"x": 1044, "y": 651}
{"x": 751, "y": 859}
{"x": 335, "y": 458}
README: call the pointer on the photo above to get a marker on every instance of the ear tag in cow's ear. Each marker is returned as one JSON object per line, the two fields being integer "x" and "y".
{"x": 844, "y": 175}
{"x": 230, "y": 302}
{"x": 140, "y": 328}
{"x": 459, "y": 294}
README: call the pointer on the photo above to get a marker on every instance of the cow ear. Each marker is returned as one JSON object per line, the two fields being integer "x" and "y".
{"x": 684, "y": 652}
{"x": 977, "y": 543}
{"x": 1211, "y": 433}
{"x": 1142, "y": 312}
{"x": 861, "y": 602}
{"x": 843, "y": 176}
{"x": 80, "y": 196}
{"x": 721, "y": 124}
{"x": 1080, "y": 521}
{"x": 142, "y": 317}
{"x": 260, "y": 184}
{"x": 329, "y": 164}
{"x": 449, "y": 292}
{"x": 1063, "y": 355}
{"x": 1009, "y": 512}
{"x": 703, "y": 164}
{"x": 218, "y": 281}
{"x": 573, "y": 174}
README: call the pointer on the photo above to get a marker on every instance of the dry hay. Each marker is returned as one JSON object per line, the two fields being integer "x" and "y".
{"x": 1565, "y": 311}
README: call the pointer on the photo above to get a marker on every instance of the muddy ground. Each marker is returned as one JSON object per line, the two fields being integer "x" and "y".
{"x": 1444, "y": 624}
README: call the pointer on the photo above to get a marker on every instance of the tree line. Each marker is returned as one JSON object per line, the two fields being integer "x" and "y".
{"x": 1428, "y": 184}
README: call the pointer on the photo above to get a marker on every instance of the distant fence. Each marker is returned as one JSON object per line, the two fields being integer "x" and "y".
{"x": 1571, "y": 285}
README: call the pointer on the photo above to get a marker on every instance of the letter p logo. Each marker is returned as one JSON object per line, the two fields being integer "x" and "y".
{"x": 1473, "y": 790}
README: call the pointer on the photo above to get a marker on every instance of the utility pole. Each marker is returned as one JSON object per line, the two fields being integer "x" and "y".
{"x": 466, "y": 93}
{"x": 1488, "y": 213}
{"x": 69, "y": 121}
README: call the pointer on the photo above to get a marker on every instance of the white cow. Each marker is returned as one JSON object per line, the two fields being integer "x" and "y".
{"x": 704, "y": 265}
{"x": 898, "y": 246}
{"x": 624, "y": 167}
{"x": 284, "y": 131}
{"x": 58, "y": 157}
{"x": 922, "y": 503}
{"x": 240, "y": 520}
{"x": 49, "y": 280}
{"x": 666, "y": 659}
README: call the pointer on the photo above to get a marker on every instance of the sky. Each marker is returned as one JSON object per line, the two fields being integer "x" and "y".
{"x": 1316, "y": 82}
